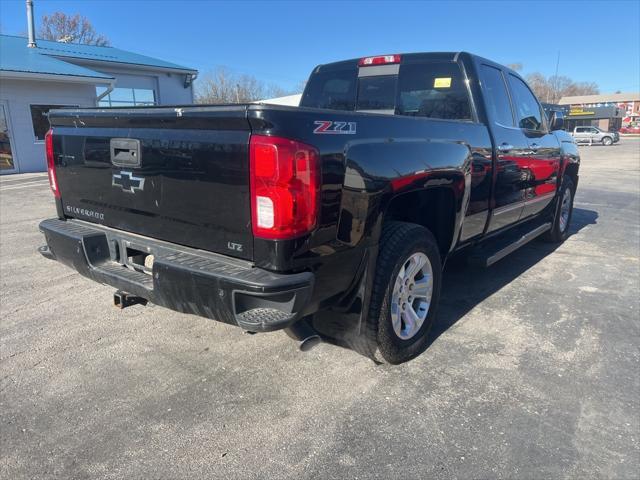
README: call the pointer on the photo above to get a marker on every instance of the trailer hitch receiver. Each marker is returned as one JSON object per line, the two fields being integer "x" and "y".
{"x": 123, "y": 299}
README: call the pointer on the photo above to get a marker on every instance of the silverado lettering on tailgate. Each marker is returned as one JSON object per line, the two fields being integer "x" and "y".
{"x": 85, "y": 212}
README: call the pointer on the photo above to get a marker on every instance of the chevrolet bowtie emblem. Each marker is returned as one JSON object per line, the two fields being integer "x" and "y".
{"x": 128, "y": 182}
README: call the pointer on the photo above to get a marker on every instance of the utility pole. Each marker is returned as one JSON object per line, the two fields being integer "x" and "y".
{"x": 555, "y": 79}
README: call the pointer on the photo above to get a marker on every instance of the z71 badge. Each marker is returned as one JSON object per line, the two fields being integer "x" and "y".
{"x": 335, "y": 128}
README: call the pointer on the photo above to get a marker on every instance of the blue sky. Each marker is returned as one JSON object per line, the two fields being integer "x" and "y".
{"x": 280, "y": 42}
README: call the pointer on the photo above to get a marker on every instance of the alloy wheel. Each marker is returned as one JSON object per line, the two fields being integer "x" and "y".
{"x": 411, "y": 296}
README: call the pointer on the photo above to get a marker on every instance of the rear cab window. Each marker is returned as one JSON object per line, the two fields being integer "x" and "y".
{"x": 431, "y": 89}
{"x": 377, "y": 94}
{"x": 333, "y": 88}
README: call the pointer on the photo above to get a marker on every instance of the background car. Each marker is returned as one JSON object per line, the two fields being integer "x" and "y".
{"x": 630, "y": 129}
{"x": 593, "y": 135}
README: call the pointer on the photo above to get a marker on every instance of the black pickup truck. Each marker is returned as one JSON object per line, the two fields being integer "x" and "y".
{"x": 347, "y": 207}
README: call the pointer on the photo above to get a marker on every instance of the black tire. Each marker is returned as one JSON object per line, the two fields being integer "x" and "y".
{"x": 557, "y": 234}
{"x": 606, "y": 141}
{"x": 398, "y": 242}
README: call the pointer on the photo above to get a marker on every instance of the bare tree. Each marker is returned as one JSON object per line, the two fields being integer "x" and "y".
{"x": 300, "y": 86}
{"x": 64, "y": 28}
{"x": 579, "y": 88}
{"x": 552, "y": 89}
{"x": 274, "y": 91}
{"x": 222, "y": 86}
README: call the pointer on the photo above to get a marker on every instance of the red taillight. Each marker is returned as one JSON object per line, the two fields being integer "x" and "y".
{"x": 51, "y": 168}
{"x": 284, "y": 187}
{"x": 379, "y": 60}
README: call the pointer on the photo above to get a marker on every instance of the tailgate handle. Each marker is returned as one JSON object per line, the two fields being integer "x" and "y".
{"x": 125, "y": 152}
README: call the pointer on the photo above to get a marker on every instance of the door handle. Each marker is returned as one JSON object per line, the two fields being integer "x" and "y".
{"x": 125, "y": 152}
{"x": 505, "y": 147}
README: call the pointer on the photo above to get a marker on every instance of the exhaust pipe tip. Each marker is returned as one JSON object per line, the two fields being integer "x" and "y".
{"x": 304, "y": 334}
{"x": 309, "y": 342}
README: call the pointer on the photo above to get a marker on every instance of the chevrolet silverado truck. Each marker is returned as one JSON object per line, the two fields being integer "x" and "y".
{"x": 347, "y": 207}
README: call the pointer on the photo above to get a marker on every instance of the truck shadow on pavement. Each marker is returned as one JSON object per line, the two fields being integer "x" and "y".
{"x": 480, "y": 284}
{"x": 455, "y": 302}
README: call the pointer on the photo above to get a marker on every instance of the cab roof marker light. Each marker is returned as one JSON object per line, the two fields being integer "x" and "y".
{"x": 379, "y": 60}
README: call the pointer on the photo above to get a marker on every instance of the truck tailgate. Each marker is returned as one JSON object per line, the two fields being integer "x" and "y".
{"x": 179, "y": 175}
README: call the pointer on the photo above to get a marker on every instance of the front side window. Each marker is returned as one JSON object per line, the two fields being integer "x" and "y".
{"x": 433, "y": 90}
{"x": 528, "y": 111}
{"x": 126, "y": 97}
{"x": 40, "y": 118}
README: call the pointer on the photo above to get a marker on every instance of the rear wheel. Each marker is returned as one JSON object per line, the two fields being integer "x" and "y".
{"x": 564, "y": 211}
{"x": 607, "y": 141}
{"x": 405, "y": 293}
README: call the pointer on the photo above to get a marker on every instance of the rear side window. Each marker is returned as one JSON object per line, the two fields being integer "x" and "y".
{"x": 527, "y": 107}
{"x": 377, "y": 93}
{"x": 333, "y": 89}
{"x": 495, "y": 90}
{"x": 433, "y": 90}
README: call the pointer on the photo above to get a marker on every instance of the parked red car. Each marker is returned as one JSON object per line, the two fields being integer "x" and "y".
{"x": 630, "y": 129}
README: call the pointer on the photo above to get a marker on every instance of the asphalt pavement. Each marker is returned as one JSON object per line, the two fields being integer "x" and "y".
{"x": 533, "y": 371}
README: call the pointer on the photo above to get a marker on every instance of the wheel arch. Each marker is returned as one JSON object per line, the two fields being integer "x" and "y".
{"x": 433, "y": 208}
{"x": 570, "y": 162}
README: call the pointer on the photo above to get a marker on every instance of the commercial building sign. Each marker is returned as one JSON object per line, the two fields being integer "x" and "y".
{"x": 581, "y": 111}
{"x": 577, "y": 111}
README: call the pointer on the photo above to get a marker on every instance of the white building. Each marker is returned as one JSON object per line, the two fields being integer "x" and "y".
{"x": 54, "y": 74}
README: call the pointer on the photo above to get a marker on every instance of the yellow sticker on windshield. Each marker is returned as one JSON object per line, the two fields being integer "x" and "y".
{"x": 444, "y": 82}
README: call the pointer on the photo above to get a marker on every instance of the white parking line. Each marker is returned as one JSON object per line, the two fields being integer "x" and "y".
{"x": 24, "y": 185}
{"x": 13, "y": 179}
{"x": 23, "y": 181}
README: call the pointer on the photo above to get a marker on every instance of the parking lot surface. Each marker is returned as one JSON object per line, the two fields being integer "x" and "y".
{"x": 533, "y": 370}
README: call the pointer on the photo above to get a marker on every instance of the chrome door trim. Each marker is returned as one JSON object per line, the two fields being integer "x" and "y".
{"x": 508, "y": 208}
{"x": 540, "y": 198}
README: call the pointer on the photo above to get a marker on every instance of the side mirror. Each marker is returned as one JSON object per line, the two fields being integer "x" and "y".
{"x": 557, "y": 120}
